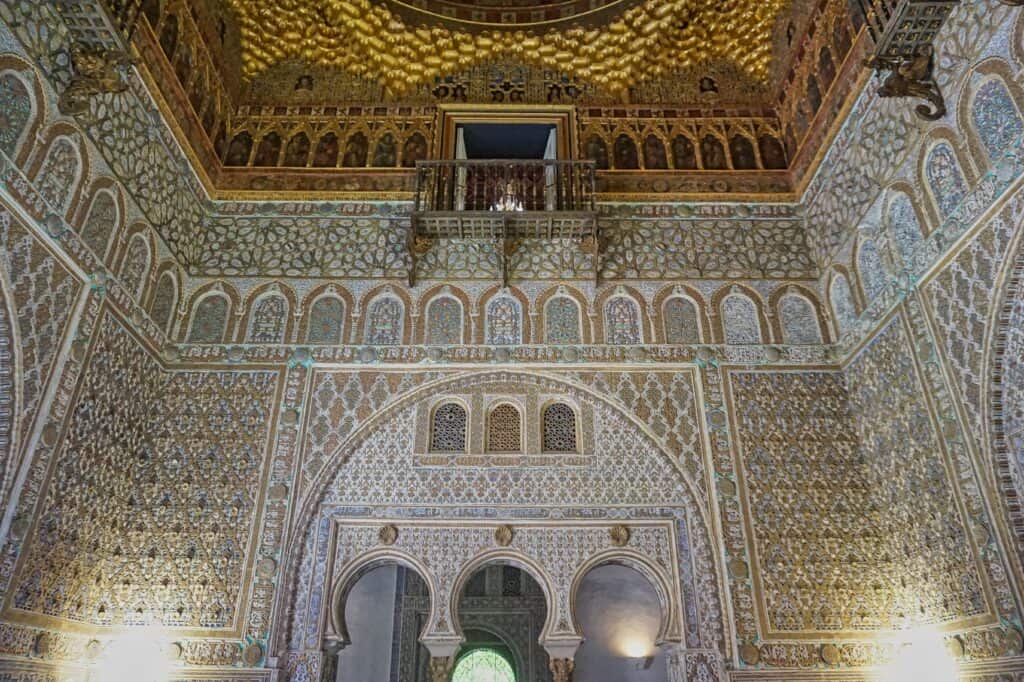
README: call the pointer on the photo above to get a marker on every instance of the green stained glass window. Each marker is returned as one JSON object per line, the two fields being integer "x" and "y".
{"x": 483, "y": 665}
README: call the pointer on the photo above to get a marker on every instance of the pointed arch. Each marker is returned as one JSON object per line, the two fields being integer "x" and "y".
{"x": 385, "y": 313}
{"x": 210, "y": 320}
{"x": 502, "y": 311}
{"x": 557, "y": 323}
{"x": 327, "y": 316}
{"x": 741, "y": 318}
{"x": 444, "y": 316}
{"x": 22, "y": 106}
{"x": 268, "y": 314}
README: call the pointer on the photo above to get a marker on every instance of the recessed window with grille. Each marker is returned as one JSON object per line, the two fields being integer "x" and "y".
{"x": 559, "y": 423}
{"x": 504, "y": 429}
{"x": 448, "y": 428}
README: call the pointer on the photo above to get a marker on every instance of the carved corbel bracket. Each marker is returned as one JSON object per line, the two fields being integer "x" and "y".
{"x": 94, "y": 70}
{"x": 912, "y": 77}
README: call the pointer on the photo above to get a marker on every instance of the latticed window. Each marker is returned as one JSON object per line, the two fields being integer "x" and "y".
{"x": 559, "y": 428}
{"x": 448, "y": 429}
{"x": 504, "y": 430}
{"x": 483, "y": 665}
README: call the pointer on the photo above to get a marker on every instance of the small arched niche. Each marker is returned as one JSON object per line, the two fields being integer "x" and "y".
{"x": 384, "y": 609}
{"x": 501, "y": 612}
{"x": 621, "y": 618}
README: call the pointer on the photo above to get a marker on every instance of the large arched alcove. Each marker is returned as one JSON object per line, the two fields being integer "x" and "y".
{"x": 561, "y": 513}
{"x": 620, "y": 614}
{"x": 502, "y": 609}
{"x": 379, "y": 610}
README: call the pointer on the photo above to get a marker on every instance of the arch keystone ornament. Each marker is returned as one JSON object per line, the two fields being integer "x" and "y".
{"x": 750, "y": 654}
{"x": 252, "y": 655}
{"x": 388, "y": 535}
{"x": 619, "y": 535}
{"x": 503, "y": 535}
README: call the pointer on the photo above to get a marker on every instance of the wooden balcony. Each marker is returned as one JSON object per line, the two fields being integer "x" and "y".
{"x": 504, "y": 202}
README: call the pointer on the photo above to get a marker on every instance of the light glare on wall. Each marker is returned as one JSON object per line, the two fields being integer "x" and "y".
{"x": 635, "y": 645}
{"x": 922, "y": 656}
{"x": 134, "y": 658}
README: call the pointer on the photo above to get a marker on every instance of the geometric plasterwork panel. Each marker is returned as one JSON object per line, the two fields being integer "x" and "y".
{"x": 151, "y": 505}
{"x": 663, "y": 401}
{"x": 821, "y": 566}
{"x": 913, "y": 498}
{"x": 44, "y": 295}
{"x": 961, "y": 299}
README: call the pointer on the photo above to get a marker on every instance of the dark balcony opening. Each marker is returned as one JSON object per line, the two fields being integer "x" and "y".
{"x": 506, "y": 140}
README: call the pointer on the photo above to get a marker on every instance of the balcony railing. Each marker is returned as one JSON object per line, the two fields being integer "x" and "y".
{"x": 504, "y": 201}
{"x": 522, "y": 185}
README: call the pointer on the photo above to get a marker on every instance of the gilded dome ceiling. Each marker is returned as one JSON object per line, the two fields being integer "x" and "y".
{"x": 611, "y": 44}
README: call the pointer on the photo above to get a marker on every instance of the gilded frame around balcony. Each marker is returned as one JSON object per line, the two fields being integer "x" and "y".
{"x": 452, "y": 115}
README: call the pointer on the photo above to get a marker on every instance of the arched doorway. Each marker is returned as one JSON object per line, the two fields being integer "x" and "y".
{"x": 620, "y": 615}
{"x": 384, "y": 612}
{"x": 483, "y": 665}
{"x": 502, "y": 611}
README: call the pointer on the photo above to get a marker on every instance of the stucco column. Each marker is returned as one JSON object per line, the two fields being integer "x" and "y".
{"x": 562, "y": 656}
{"x": 441, "y": 668}
{"x": 561, "y": 669}
{"x": 329, "y": 660}
{"x": 442, "y": 656}
{"x": 675, "y": 661}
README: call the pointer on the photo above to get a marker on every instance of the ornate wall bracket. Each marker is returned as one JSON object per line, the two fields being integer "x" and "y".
{"x": 904, "y": 34}
{"x": 912, "y": 77}
{"x": 94, "y": 70}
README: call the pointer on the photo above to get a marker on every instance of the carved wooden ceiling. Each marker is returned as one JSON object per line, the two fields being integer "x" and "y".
{"x": 709, "y": 96}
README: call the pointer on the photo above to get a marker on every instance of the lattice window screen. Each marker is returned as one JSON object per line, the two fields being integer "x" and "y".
{"x": 504, "y": 430}
{"x": 559, "y": 428}
{"x": 448, "y": 430}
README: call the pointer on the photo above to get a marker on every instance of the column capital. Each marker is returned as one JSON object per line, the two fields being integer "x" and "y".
{"x": 441, "y": 668}
{"x": 561, "y": 669}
